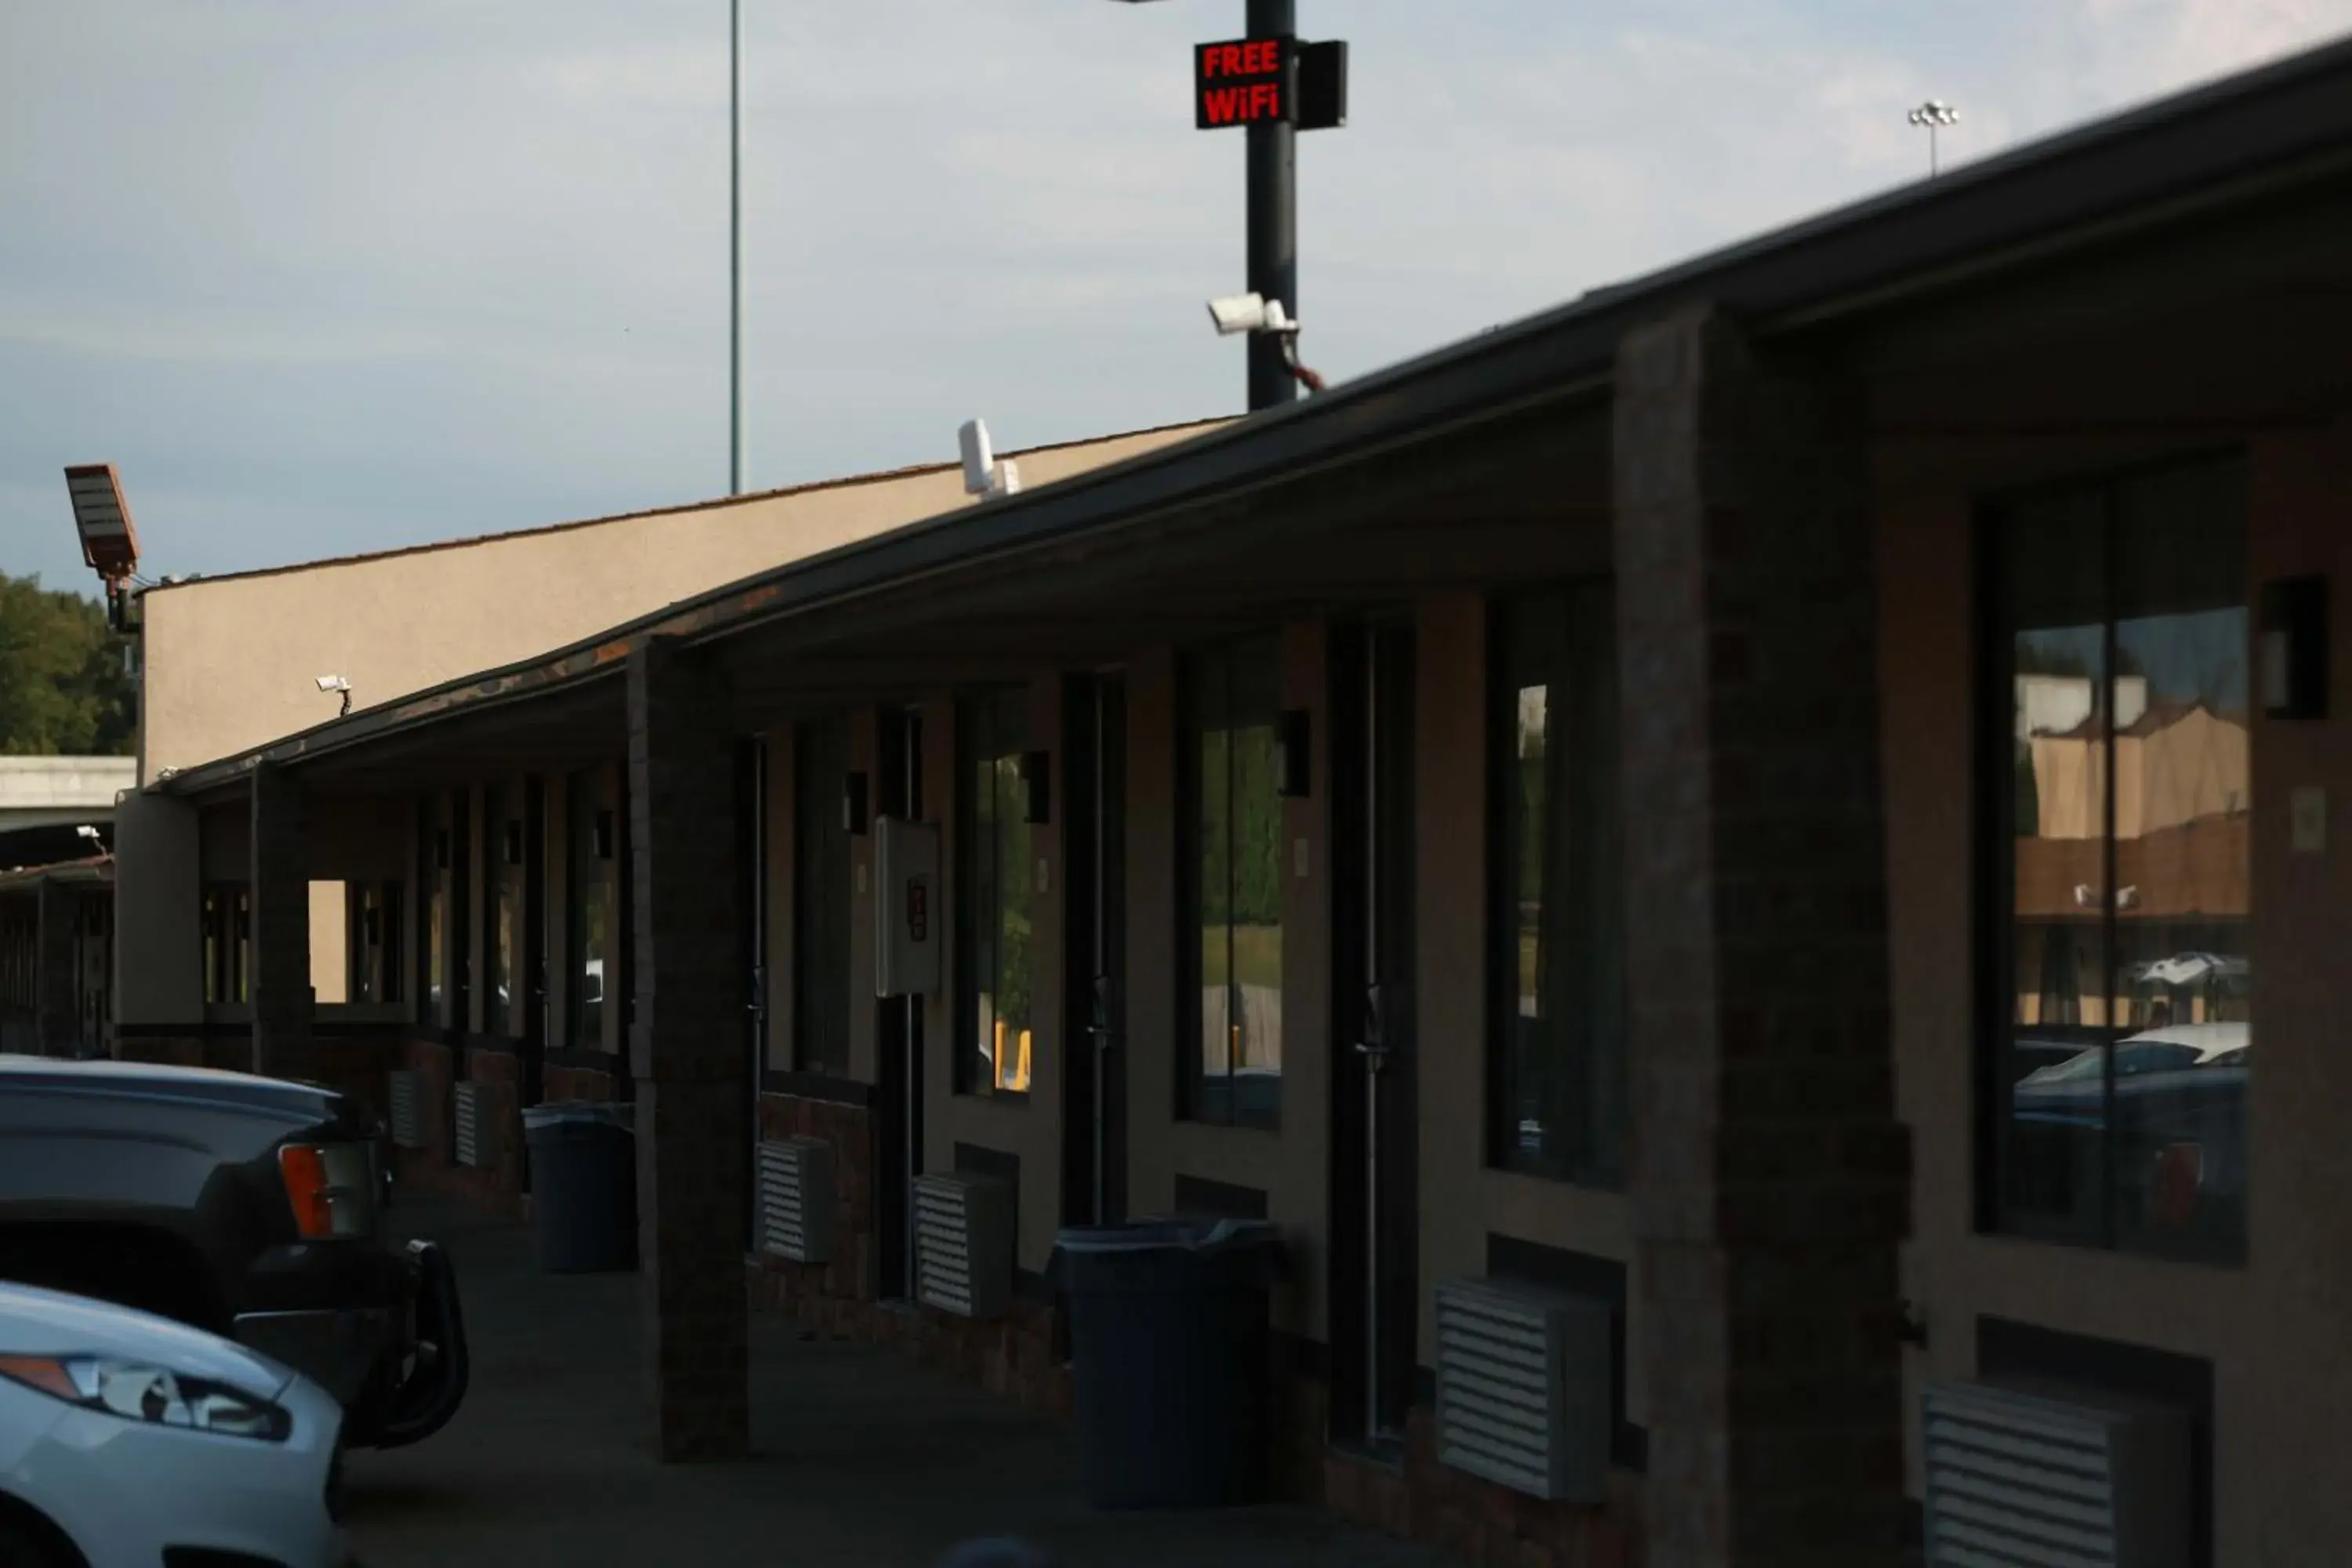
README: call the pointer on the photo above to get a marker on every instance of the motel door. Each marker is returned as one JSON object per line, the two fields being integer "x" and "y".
{"x": 1094, "y": 1165}
{"x": 1375, "y": 1249}
{"x": 899, "y": 1033}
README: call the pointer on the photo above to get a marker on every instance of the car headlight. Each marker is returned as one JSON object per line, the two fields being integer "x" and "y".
{"x": 137, "y": 1391}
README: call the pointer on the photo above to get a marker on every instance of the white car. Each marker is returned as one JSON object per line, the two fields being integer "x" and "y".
{"x": 128, "y": 1439}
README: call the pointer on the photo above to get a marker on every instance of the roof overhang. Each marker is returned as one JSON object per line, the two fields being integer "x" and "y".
{"x": 2262, "y": 135}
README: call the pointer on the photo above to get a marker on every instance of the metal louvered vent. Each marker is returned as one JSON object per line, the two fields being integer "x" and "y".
{"x": 476, "y": 1130}
{"x": 1523, "y": 1393}
{"x": 407, "y": 1131}
{"x": 796, "y": 1198}
{"x": 2028, "y": 1475}
{"x": 963, "y": 1245}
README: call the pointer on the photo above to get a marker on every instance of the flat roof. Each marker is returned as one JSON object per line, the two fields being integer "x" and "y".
{"x": 2260, "y": 133}
{"x": 840, "y": 482}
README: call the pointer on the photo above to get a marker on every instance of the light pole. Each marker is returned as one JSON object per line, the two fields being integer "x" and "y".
{"x": 734, "y": 248}
{"x": 1934, "y": 115}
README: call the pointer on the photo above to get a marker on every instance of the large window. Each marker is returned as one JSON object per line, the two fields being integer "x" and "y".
{"x": 1556, "y": 921}
{"x": 1231, "y": 860}
{"x": 228, "y": 943}
{"x": 588, "y": 915}
{"x": 502, "y": 850}
{"x": 995, "y": 994}
{"x": 436, "y": 930}
{"x": 2119, "y": 797}
{"x": 372, "y": 930}
{"x": 821, "y": 897}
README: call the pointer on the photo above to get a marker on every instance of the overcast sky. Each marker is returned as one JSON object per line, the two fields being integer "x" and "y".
{"x": 330, "y": 278}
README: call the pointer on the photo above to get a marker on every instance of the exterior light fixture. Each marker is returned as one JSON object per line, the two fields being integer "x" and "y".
{"x": 110, "y": 542}
{"x": 1933, "y": 116}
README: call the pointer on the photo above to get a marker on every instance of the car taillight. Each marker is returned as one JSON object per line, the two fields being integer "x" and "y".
{"x": 332, "y": 1188}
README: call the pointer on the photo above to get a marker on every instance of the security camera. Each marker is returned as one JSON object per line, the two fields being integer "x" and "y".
{"x": 333, "y": 683}
{"x": 982, "y": 473}
{"x": 87, "y": 831}
{"x": 1249, "y": 313}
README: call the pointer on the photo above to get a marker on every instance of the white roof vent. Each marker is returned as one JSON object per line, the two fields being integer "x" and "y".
{"x": 983, "y": 475}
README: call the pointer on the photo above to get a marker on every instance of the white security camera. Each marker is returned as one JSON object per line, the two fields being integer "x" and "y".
{"x": 333, "y": 683}
{"x": 1249, "y": 313}
{"x": 87, "y": 831}
{"x": 982, "y": 474}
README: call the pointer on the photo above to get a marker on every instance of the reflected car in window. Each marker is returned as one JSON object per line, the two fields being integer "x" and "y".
{"x": 2179, "y": 1107}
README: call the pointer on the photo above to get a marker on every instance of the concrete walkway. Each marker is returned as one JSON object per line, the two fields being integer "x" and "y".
{"x": 862, "y": 1456}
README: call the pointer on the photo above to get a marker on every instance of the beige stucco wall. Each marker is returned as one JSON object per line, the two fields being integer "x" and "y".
{"x": 2275, "y": 1328}
{"x": 230, "y": 663}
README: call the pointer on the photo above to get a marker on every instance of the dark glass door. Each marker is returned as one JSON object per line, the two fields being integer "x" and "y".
{"x": 1094, "y": 1165}
{"x": 1375, "y": 1230}
{"x": 898, "y": 1034}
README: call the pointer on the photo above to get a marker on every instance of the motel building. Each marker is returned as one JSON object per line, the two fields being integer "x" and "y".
{"x": 1743, "y": 829}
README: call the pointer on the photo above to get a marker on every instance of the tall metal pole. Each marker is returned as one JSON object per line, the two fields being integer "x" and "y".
{"x": 1273, "y": 221}
{"x": 734, "y": 248}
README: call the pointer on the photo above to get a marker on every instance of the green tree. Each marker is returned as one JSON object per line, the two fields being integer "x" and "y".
{"x": 64, "y": 690}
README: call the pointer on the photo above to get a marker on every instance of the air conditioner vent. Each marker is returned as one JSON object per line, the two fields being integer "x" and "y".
{"x": 1523, "y": 1387}
{"x": 963, "y": 1245}
{"x": 796, "y": 1198}
{"x": 2032, "y": 1476}
{"x": 478, "y": 1134}
{"x": 407, "y": 1123}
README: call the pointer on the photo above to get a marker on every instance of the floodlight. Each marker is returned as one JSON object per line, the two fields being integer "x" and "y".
{"x": 109, "y": 545}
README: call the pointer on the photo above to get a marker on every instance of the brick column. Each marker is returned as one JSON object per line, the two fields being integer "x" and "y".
{"x": 687, "y": 1049}
{"x": 56, "y": 1017}
{"x": 282, "y": 926}
{"x": 1770, "y": 1177}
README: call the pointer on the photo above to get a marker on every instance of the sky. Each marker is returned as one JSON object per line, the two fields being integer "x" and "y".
{"x": 324, "y": 279}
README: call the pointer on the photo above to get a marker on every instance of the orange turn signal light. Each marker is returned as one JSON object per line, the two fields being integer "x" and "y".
{"x": 305, "y": 1170}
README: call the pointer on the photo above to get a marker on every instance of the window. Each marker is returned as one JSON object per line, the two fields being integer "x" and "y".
{"x": 1556, "y": 924}
{"x": 588, "y": 917}
{"x": 995, "y": 996}
{"x": 436, "y": 937}
{"x": 2119, "y": 794}
{"x": 821, "y": 906}
{"x": 228, "y": 936}
{"x": 373, "y": 927}
{"x": 1231, "y": 860}
{"x": 502, "y": 849}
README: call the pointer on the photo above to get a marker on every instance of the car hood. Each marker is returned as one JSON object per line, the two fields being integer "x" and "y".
{"x": 50, "y": 1323}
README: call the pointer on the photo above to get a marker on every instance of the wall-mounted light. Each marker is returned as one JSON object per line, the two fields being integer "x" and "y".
{"x": 1038, "y": 786}
{"x": 853, "y": 804}
{"x": 1293, "y": 754}
{"x": 602, "y": 836}
{"x": 2294, "y": 648}
{"x": 514, "y": 843}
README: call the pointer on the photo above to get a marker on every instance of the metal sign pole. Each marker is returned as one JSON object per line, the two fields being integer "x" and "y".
{"x": 1272, "y": 203}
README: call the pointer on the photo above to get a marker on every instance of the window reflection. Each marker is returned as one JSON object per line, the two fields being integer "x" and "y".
{"x": 1559, "y": 1088}
{"x": 588, "y": 884}
{"x": 998, "y": 922}
{"x": 1235, "y": 866}
{"x": 821, "y": 897}
{"x": 2123, "y": 1063}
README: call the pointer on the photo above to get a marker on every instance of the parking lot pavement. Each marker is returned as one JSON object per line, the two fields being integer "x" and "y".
{"x": 861, "y": 1456}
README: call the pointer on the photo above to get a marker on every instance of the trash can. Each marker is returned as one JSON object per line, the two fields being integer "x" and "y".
{"x": 583, "y": 1186}
{"x": 1169, "y": 1342}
